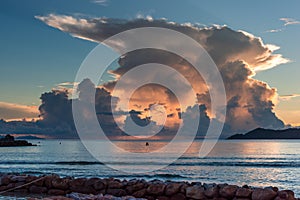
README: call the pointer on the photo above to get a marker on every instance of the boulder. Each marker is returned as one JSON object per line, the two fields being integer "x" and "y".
{"x": 263, "y": 194}
{"x": 18, "y": 178}
{"x": 131, "y": 188}
{"x": 195, "y": 192}
{"x": 91, "y": 181}
{"x": 30, "y": 178}
{"x": 40, "y": 182}
{"x": 163, "y": 198}
{"x": 285, "y": 194}
{"x": 116, "y": 192}
{"x": 139, "y": 193}
{"x": 99, "y": 185}
{"x": 228, "y": 191}
{"x": 212, "y": 192}
{"x": 132, "y": 181}
{"x": 57, "y": 198}
{"x": 78, "y": 185}
{"x": 150, "y": 198}
{"x": 56, "y": 192}
{"x": 243, "y": 193}
{"x": 18, "y": 184}
{"x": 78, "y": 182}
{"x": 116, "y": 184}
{"x": 37, "y": 189}
{"x": 60, "y": 183}
{"x": 21, "y": 190}
{"x": 178, "y": 196}
{"x": 275, "y": 189}
{"x": 183, "y": 188}
{"x": 156, "y": 189}
{"x": 4, "y": 180}
{"x": 3, "y": 188}
{"x": 172, "y": 188}
{"x": 210, "y": 185}
{"x": 48, "y": 180}
{"x": 11, "y": 185}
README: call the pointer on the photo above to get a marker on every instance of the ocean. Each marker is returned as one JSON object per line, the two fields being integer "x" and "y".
{"x": 252, "y": 162}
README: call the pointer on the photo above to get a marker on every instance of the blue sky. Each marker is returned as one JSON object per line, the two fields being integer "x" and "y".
{"x": 35, "y": 57}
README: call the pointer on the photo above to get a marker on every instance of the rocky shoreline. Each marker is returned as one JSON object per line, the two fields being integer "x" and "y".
{"x": 9, "y": 141}
{"x": 95, "y": 188}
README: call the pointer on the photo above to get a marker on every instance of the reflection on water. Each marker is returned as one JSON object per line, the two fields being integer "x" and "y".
{"x": 139, "y": 146}
{"x": 257, "y": 163}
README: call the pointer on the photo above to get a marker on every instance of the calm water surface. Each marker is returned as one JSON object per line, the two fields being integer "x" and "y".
{"x": 255, "y": 162}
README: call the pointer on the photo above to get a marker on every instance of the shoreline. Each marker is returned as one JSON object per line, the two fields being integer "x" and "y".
{"x": 54, "y": 185}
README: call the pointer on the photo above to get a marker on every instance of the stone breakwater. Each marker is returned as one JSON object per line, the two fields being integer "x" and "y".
{"x": 138, "y": 188}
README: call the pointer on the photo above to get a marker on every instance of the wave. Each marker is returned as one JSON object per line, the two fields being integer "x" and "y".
{"x": 291, "y": 164}
{"x": 236, "y": 158}
{"x": 158, "y": 176}
{"x": 241, "y": 164}
{"x": 51, "y": 163}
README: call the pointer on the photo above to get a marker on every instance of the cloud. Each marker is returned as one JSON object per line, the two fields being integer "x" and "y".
{"x": 10, "y": 111}
{"x": 56, "y": 108}
{"x": 20, "y": 127}
{"x": 240, "y": 44}
{"x": 289, "y": 21}
{"x": 288, "y": 97}
{"x": 274, "y": 30}
{"x": 67, "y": 84}
{"x": 100, "y": 2}
{"x": 238, "y": 55}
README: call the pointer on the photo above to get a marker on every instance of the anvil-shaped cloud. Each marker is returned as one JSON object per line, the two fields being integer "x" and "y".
{"x": 237, "y": 54}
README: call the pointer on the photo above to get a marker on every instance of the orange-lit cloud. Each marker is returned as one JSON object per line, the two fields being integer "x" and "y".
{"x": 288, "y": 97}
{"x": 10, "y": 111}
{"x": 238, "y": 55}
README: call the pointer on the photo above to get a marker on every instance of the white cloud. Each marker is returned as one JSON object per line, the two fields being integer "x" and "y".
{"x": 100, "y": 2}
{"x": 68, "y": 84}
{"x": 274, "y": 30}
{"x": 289, "y": 21}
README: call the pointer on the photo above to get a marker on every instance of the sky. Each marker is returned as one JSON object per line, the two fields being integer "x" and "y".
{"x": 36, "y": 57}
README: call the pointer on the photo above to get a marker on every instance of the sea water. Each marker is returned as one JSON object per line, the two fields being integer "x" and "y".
{"x": 252, "y": 162}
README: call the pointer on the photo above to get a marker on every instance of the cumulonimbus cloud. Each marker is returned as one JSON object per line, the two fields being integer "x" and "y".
{"x": 238, "y": 55}
{"x": 234, "y": 44}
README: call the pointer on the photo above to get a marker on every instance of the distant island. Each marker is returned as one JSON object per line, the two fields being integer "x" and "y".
{"x": 29, "y": 137}
{"x": 261, "y": 133}
{"x": 9, "y": 141}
